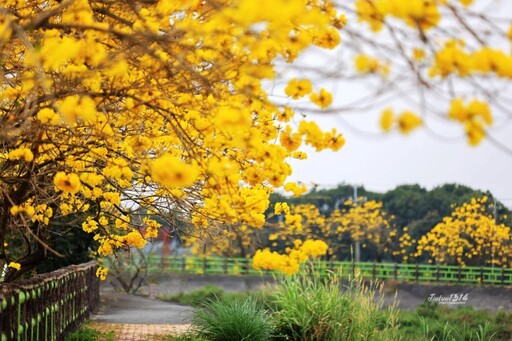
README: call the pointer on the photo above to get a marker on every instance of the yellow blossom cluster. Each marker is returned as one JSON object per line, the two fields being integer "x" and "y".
{"x": 469, "y": 236}
{"x": 102, "y": 273}
{"x": 295, "y": 188}
{"x": 475, "y": 115}
{"x": 454, "y": 59}
{"x": 14, "y": 265}
{"x": 423, "y": 14}
{"x": 406, "y": 122}
{"x": 405, "y": 245}
{"x": 289, "y": 263}
{"x": 299, "y": 88}
{"x": 367, "y": 64}
{"x": 21, "y": 154}
{"x": 67, "y": 182}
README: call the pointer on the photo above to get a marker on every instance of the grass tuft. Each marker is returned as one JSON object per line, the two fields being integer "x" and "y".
{"x": 232, "y": 320}
{"x": 311, "y": 307}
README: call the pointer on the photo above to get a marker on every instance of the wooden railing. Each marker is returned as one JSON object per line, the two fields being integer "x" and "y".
{"x": 48, "y": 306}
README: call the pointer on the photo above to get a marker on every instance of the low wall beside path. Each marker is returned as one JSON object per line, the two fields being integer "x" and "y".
{"x": 48, "y": 306}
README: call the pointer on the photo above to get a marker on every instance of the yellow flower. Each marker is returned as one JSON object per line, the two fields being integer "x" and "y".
{"x": 299, "y": 155}
{"x": 387, "y": 119}
{"x": 281, "y": 207}
{"x": 418, "y": 54}
{"x": 297, "y": 190}
{"x": 102, "y": 273}
{"x": 67, "y": 182}
{"x": 408, "y": 121}
{"x": 323, "y": 99}
{"x": 366, "y": 64}
{"x": 290, "y": 141}
{"x": 15, "y": 265}
{"x": 169, "y": 171}
{"x": 21, "y": 153}
{"x": 134, "y": 238}
{"x": 479, "y": 108}
{"x": 328, "y": 38}
{"x": 298, "y": 88}
{"x": 48, "y": 116}
{"x": 458, "y": 111}
{"x": 285, "y": 115}
{"x": 74, "y": 108}
{"x": 89, "y": 225}
{"x": 340, "y": 22}
{"x": 475, "y": 132}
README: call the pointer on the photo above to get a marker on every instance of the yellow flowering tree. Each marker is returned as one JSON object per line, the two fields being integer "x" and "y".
{"x": 108, "y": 108}
{"x": 303, "y": 227}
{"x": 469, "y": 236}
{"x": 369, "y": 225}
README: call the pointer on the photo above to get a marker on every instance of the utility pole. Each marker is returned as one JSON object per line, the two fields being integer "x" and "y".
{"x": 357, "y": 247}
{"x": 495, "y": 211}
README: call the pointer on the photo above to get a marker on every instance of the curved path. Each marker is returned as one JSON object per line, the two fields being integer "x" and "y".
{"x": 134, "y": 317}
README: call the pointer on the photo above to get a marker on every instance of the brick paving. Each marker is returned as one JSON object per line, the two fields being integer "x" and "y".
{"x": 140, "y": 332}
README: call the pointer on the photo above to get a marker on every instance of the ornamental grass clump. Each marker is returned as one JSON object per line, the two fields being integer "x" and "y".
{"x": 313, "y": 307}
{"x": 232, "y": 320}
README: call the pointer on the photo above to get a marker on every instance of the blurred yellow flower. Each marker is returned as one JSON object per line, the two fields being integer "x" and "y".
{"x": 67, "y": 182}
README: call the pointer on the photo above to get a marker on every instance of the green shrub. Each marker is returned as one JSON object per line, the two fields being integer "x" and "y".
{"x": 433, "y": 322}
{"x": 314, "y": 308}
{"x": 232, "y": 320}
{"x": 88, "y": 334}
{"x": 197, "y": 297}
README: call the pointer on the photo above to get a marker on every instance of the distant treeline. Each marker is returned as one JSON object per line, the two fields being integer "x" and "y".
{"x": 411, "y": 205}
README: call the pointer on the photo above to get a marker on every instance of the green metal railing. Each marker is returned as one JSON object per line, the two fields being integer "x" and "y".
{"x": 48, "y": 306}
{"x": 418, "y": 273}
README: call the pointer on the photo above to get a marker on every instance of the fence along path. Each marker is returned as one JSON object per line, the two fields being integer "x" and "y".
{"x": 48, "y": 306}
{"x": 417, "y": 273}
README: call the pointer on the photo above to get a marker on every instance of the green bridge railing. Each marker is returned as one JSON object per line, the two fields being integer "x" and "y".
{"x": 419, "y": 273}
{"x": 48, "y": 306}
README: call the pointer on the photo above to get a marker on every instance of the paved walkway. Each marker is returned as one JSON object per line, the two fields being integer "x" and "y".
{"x": 140, "y": 332}
{"x": 137, "y": 318}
